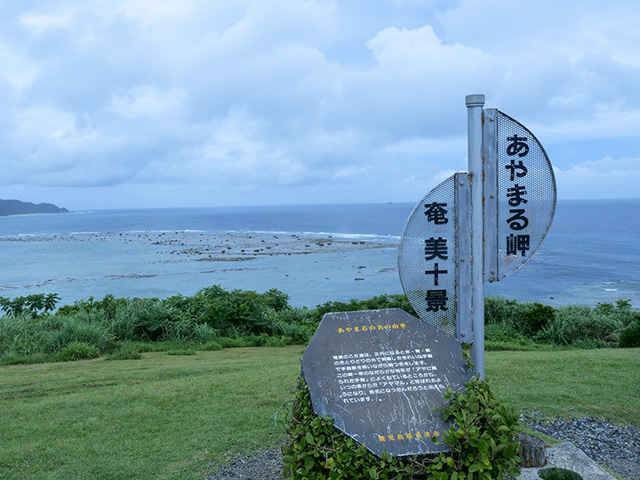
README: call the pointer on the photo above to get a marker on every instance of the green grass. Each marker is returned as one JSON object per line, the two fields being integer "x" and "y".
{"x": 171, "y": 416}
{"x": 159, "y": 417}
{"x": 570, "y": 383}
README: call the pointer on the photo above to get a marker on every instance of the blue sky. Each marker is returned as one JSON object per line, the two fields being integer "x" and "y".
{"x": 140, "y": 103}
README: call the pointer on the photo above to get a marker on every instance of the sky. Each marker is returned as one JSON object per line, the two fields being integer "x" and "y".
{"x": 151, "y": 103}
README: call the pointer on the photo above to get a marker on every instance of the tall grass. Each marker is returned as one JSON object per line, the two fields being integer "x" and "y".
{"x": 579, "y": 326}
{"x": 31, "y": 331}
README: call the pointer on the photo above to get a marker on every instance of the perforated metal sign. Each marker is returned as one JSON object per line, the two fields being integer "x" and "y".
{"x": 434, "y": 255}
{"x": 520, "y": 195}
{"x": 519, "y": 192}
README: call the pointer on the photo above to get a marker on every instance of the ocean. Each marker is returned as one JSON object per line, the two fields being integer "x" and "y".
{"x": 313, "y": 253}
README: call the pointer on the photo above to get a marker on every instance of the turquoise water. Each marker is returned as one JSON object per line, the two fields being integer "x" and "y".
{"x": 590, "y": 254}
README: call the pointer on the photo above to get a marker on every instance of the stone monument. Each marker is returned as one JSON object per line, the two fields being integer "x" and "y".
{"x": 381, "y": 375}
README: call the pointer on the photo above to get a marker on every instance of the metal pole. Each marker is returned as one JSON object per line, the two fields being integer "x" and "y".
{"x": 474, "y": 134}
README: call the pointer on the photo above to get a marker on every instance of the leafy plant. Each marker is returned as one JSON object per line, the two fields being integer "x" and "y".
{"x": 375, "y": 303}
{"x": 576, "y": 324}
{"x": 78, "y": 351}
{"x": 38, "y": 304}
{"x": 127, "y": 351}
{"x": 481, "y": 441}
{"x": 630, "y": 336}
{"x": 538, "y": 316}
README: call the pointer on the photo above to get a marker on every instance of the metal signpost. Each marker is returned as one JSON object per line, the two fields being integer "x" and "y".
{"x": 382, "y": 374}
{"x": 477, "y": 226}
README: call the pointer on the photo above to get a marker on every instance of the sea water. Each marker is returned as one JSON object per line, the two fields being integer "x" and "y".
{"x": 590, "y": 255}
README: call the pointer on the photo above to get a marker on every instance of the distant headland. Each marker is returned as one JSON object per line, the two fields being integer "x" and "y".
{"x": 16, "y": 207}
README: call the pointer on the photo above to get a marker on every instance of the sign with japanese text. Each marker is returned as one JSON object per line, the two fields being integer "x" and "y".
{"x": 520, "y": 193}
{"x": 432, "y": 253}
{"x": 381, "y": 375}
{"x": 519, "y": 199}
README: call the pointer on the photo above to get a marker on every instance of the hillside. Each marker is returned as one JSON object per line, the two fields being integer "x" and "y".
{"x": 16, "y": 207}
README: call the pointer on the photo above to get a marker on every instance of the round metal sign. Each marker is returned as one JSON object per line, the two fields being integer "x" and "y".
{"x": 427, "y": 256}
{"x": 524, "y": 196}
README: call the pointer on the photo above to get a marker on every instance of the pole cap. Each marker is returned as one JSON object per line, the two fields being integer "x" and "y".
{"x": 476, "y": 100}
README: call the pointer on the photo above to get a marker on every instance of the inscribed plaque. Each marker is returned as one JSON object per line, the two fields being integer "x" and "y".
{"x": 381, "y": 375}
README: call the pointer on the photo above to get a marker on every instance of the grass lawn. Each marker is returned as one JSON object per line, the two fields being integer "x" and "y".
{"x": 165, "y": 416}
{"x": 172, "y": 416}
{"x": 570, "y": 383}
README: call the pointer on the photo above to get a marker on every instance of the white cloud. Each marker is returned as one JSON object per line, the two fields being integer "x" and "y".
{"x": 605, "y": 178}
{"x": 147, "y": 101}
{"x": 47, "y": 21}
{"x": 292, "y": 100}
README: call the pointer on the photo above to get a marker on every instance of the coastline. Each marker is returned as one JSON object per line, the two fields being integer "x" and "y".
{"x": 164, "y": 252}
{"x": 310, "y": 268}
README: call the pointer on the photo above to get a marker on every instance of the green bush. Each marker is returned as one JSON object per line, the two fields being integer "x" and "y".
{"x": 126, "y": 351}
{"x": 375, "y": 303}
{"x": 181, "y": 351}
{"x": 217, "y": 318}
{"x": 37, "y": 304}
{"x": 211, "y": 347}
{"x": 502, "y": 311}
{"x": 630, "y": 336}
{"x": 524, "y": 318}
{"x": 538, "y": 316}
{"x": 78, "y": 351}
{"x": 189, "y": 330}
{"x": 581, "y": 325}
{"x": 59, "y": 332}
{"x": 107, "y": 306}
{"x": 144, "y": 319}
{"x": 481, "y": 441}
{"x": 20, "y": 334}
{"x": 504, "y": 332}
{"x": 231, "y": 313}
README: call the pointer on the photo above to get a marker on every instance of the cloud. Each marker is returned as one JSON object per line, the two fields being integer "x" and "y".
{"x": 604, "y": 178}
{"x": 147, "y": 101}
{"x": 16, "y": 69}
{"x": 293, "y": 101}
{"x": 416, "y": 83}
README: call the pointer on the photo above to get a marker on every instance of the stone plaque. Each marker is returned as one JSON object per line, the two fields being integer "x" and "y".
{"x": 381, "y": 375}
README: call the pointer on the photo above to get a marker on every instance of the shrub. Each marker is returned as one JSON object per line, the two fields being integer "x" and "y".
{"x": 238, "y": 312}
{"x": 501, "y": 310}
{"x": 233, "y": 342}
{"x": 504, "y": 332}
{"x": 77, "y": 351}
{"x": 59, "y": 332}
{"x": 211, "y": 347}
{"x": 481, "y": 441}
{"x": 375, "y": 303}
{"x": 141, "y": 319}
{"x": 107, "y": 306}
{"x": 189, "y": 330}
{"x": 573, "y": 325}
{"x": 20, "y": 334}
{"x": 181, "y": 351}
{"x": 538, "y": 316}
{"x": 630, "y": 336}
{"x": 38, "y": 304}
{"x": 127, "y": 351}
